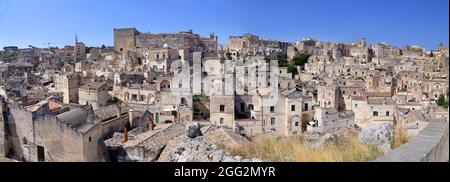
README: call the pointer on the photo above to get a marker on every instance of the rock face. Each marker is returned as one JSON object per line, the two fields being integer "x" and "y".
{"x": 200, "y": 150}
{"x": 193, "y": 147}
{"x": 193, "y": 130}
{"x": 379, "y": 134}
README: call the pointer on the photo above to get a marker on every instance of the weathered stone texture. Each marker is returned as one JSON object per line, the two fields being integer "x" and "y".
{"x": 379, "y": 134}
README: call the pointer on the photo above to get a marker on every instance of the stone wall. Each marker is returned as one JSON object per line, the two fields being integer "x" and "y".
{"x": 124, "y": 39}
{"x": 3, "y": 136}
{"x": 114, "y": 125}
{"x": 431, "y": 145}
{"x": 60, "y": 141}
{"x": 227, "y": 115}
{"x": 20, "y": 125}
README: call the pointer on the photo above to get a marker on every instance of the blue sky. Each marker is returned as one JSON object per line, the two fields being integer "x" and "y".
{"x": 399, "y": 22}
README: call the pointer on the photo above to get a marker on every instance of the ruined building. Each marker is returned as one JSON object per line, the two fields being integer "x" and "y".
{"x": 48, "y": 132}
{"x": 130, "y": 39}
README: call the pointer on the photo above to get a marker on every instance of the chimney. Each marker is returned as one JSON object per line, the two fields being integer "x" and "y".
{"x": 151, "y": 124}
{"x": 125, "y": 135}
{"x": 119, "y": 110}
{"x": 130, "y": 117}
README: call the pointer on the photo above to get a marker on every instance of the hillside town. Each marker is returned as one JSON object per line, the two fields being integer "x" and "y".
{"x": 177, "y": 97}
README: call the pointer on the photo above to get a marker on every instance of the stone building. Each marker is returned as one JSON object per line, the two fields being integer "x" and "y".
{"x": 222, "y": 110}
{"x": 68, "y": 84}
{"x": 70, "y": 51}
{"x": 413, "y": 51}
{"x": 160, "y": 59}
{"x": 95, "y": 94}
{"x": 126, "y": 39}
{"x": 251, "y": 45}
{"x": 373, "y": 107}
{"x": 384, "y": 50}
{"x": 328, "y": 120}
{"x": 47, "y": 132}
{"x": 74, "y": 136}
{"x": 329, "y": 97}
{"x": 283, "y": 117}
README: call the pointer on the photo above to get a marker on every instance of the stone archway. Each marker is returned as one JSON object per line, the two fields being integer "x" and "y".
{"x": 164, "y": 85}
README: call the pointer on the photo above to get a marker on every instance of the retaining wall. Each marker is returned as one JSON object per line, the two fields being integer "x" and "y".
{"x": 431, "y": 145}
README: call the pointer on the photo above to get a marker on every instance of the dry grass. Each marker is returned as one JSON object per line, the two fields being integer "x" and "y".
{"x": 293, "y": 149}
{"x": 400, "y": 137}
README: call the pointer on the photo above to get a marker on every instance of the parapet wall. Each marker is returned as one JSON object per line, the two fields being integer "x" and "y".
{"x": 431, "y": 145}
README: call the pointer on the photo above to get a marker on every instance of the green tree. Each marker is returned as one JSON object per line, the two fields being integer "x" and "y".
{"x": 292, "y": 69}
{"x": 116, "y": 100}
{"x": 282, "y": 60}
{"x": 300, "y": 59}
{"x": 442, "y": 102}
{"x": 88, "y": 49}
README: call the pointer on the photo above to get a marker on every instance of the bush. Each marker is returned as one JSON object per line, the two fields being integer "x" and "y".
{"x": 116, "y": 100}
{"x": 292, "y": 69}
{"x": 300, "y": 59}
{"x": 401, "y": 137}
{"x": 200, "y": 98}
{"x": 442, "y": 102}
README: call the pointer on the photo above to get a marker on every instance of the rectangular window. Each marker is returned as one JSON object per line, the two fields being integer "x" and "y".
{"x": 375, "y": 113}
{"x": 222, "y": 108}
{"x": 387, "y": 113}
{"x": 272, "y": 121}
{"x": 292, "y": 107}
{"x": 296, "y": 123}
{"x": 272, "y": 109}
{"x": 221, "y": 120}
